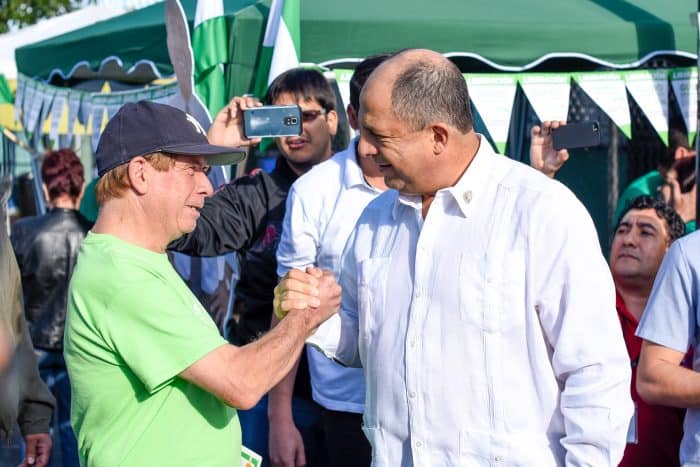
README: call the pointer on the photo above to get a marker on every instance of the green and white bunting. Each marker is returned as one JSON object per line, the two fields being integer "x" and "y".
{"x": 493, "y": 95}
{"x": 55, "y": 110}
{"x": 281, "y": 44}
{"x": 649, "y": 88}
{"x": 684, "y": 84}
{"x": 607, "y": 89}
{"x": 548, "y": 93}
{"x": 210, "y": 48}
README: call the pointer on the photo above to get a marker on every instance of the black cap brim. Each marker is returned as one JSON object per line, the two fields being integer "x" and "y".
{"x": 215, "y": 155}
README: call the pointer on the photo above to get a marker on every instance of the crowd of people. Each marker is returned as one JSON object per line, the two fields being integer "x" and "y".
{"x": 415, "y": 299}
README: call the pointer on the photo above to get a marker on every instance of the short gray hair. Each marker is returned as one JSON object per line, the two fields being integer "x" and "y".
{"x": 426, "y": 92}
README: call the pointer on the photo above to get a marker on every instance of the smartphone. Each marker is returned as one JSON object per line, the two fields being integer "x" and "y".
{"x": 685, "y": 173}
{"x": 272, "y": 121}
{"x": 576, "y": 135}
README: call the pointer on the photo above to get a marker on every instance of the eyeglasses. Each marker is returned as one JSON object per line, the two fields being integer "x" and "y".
{"x": 308, "y": 116}
{"x": 193, "y": 168}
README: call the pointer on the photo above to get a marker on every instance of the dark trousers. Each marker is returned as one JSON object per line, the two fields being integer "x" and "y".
{"x": 52, "y": 369}
{"x": 346, "y": 443}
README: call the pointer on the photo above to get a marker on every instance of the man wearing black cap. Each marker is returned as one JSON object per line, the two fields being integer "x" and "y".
{"x": 153, "y": 382}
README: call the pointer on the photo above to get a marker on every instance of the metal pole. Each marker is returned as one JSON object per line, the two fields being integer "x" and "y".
{"x": 613, "y": 177}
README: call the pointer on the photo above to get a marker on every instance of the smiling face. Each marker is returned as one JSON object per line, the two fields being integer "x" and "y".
{"x": 405, "y": 157}
{"x": 638, "y": 246}
{"x": 179, "y": 195}
{"x": 318, "y": 128}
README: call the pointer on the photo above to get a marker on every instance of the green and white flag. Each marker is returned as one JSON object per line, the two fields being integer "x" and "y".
{"x": 210, "y": 47}
{"x": 548, "y": 94}
{"x": 684, "y": 83}
{"x": 607, "y": 90}
{"x": 649, "y": 88}
{"x": 493, "y": 95}
{"x": 281, "y": 44}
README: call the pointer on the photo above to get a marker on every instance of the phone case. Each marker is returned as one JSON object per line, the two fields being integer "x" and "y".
{"x": 576, "y": 135}
{"x": 272, "y": 121}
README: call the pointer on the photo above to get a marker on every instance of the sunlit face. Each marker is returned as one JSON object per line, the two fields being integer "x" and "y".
{"x": 404, "y": 156}
{"x": 318, "y": 128}
{"x": 180, "y": 193}
{"x": 638, "y": 246}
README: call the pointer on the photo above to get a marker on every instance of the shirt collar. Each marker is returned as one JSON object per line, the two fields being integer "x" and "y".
{"x": 352, "y": 175}
{"x": 468, "y": 188}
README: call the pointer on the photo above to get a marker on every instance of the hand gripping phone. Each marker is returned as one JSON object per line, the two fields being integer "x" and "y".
{"x": 576, "y": 135}
{"x": 272, "y": 121}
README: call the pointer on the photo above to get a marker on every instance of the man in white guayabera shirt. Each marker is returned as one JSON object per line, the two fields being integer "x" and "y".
{"x": 475, "y": 297}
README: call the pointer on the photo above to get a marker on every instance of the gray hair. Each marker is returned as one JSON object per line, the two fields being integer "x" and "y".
{"x": 427, "y": 92}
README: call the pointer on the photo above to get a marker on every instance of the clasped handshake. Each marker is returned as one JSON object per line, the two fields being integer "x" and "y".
{"x": 314, "y": 292}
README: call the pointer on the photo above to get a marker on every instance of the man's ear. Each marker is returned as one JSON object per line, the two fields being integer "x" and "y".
{"x": 138, "y": 172}
{"x": 352, "y": 117}
{"x": 440, "y": 134}
{"x": 332, "y": 122}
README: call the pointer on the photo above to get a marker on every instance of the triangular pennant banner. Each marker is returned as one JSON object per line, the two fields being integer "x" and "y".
{"x": 649, "y": 88}
{"x": 57, "y": 113}
{"x": 493, "y": 95}
{"x": 49, "y": 93}
{"x": 28, "y": 105}
{"x": 684, "y": 84}
{"x": 607, "y": 89}
{"x": 548, "y": 93}
{"x": 19, "y": 97}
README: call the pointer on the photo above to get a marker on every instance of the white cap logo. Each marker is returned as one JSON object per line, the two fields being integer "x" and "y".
{"x": 196, "y": 124}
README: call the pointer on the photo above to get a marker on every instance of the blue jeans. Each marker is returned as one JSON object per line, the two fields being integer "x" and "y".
{"x": 52, "y": 369}
{"x": 307, "y": 418}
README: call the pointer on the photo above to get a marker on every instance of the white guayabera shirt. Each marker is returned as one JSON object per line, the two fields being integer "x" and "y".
{"x": 487, "y": 332}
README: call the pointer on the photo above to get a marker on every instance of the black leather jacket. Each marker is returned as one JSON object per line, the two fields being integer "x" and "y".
{"x": 46, "y": 248}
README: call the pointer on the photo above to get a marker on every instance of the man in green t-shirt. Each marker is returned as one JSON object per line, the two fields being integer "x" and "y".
{"x": 153, "y": 382}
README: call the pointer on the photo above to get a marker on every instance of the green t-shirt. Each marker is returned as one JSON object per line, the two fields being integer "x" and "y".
{"x": 132, "y": 327}
{"x": 645, "y": 185}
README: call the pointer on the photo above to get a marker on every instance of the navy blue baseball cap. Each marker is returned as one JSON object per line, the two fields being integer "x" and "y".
{"x": 144, "y": 127}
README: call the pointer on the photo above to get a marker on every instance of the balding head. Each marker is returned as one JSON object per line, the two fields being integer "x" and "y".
{"x": 425, "y": 87}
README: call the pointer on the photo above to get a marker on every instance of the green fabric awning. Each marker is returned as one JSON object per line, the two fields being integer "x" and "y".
{"x": 509, "y": 35}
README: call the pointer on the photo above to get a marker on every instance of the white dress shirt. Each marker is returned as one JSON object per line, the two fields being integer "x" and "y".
{"x": 487, "y": 332}
{"x": 322, "y": 208}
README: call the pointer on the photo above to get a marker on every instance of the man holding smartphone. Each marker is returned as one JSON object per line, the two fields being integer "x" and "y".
{"x": 246, "y": 216}
{"x": 665, "y": 181}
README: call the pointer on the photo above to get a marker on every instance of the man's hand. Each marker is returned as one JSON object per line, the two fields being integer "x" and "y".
{"x": 314, "y": 292}
{"x": 227, "y": 127}
{"x": 683, "y": 203}
{"x": 286, "y": 445}
{"x": 543, "y": 156}
{"x": 38, "y": 450}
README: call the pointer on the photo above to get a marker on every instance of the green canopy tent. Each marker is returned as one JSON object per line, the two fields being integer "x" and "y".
{"x": 497, "y": 36}
{"x": 506, "y": 35}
